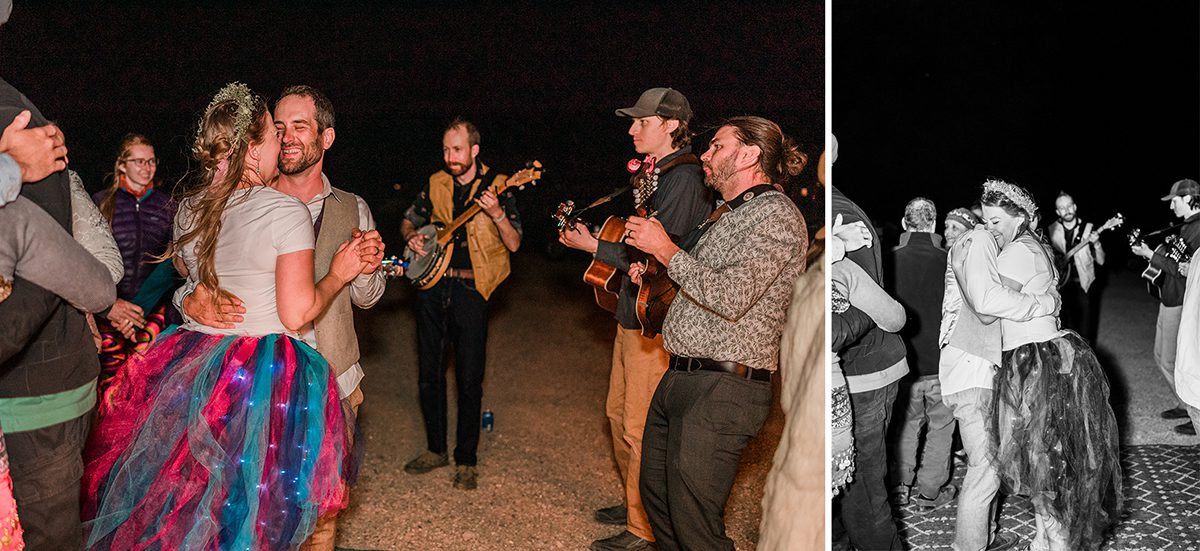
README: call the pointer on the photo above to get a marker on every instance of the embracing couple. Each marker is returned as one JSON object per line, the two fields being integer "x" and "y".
{"x": 1030, "y": 398}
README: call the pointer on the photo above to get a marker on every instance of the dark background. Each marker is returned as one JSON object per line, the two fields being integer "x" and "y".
{"x": 929, "y": 98}
{"x": 540, "y": 82}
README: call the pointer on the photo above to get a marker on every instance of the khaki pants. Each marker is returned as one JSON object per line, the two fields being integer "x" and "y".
{"x": 326, "y": 529}
{"x": 638, "y": 365}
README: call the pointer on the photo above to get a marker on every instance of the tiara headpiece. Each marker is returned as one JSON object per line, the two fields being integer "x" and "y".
{"x": 1015, "y": 194}
{"x": 244, "y": 99}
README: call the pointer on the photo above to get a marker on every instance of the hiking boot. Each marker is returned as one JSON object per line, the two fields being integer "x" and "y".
{"x": 927, "y": 504}
{"x": 617, "y": 514}
{"x": 1187, "y": 429}
{"x": 899, "y": 495}
{"x": 1002, "y": 542}
{"x": 426, "y": 462}
{"x": 464, "y": 477}
{"x": 1175, "y": 413}
{"x": 624, "y": 541}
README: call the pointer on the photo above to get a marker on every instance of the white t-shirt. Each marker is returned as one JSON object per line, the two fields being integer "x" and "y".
{"x": 258, "y": 225}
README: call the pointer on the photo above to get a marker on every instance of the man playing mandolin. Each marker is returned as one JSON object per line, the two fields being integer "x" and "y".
{"x": 670, "y": 184}
{"x": 456, "y": 305}
{"x": 1080, "y": 299}
{"x": 1185, "y": 203}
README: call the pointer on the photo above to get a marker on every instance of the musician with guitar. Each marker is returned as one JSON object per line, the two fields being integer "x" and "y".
{"x": 723, "y": 330}
{"x": 453, "y": 301}
{"x": 1185, "y": 204}
{"x": 670, "y": 184}
{"x": 1077, "y": 251}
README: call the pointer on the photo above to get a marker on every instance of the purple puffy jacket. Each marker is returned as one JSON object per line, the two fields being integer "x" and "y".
{"x": 143, "y": 230}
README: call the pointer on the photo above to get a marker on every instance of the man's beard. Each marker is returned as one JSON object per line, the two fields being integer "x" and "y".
{"x": 310, "y": 154}
{"x": 720, "y": 175}
{"x": 458, "y": 169}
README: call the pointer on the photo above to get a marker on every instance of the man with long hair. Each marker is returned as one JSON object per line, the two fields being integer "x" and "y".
{"x": 723, "y": 330}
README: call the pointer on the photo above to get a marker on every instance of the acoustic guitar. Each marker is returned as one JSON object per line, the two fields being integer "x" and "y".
{"x": 656, "y": 290}
{"x": 1173, "y": 247}
{"x": 1066, "y": 262}
{"x": 424, "y": 271}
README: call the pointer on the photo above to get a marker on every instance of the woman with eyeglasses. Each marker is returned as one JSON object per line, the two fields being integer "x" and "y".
{"x": 141, "y": 217}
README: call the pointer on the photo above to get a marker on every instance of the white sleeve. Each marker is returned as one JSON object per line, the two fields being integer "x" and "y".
{"x": 292, "y": 228}
{"x": 367, "y": 289}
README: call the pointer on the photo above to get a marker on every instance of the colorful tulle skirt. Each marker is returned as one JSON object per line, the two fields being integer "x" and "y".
{"x": 215, "y": 442}
{"x": 1056, "y": 436}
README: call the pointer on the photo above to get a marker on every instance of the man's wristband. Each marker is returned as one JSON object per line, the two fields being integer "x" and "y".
{"x": 497, "y": 219}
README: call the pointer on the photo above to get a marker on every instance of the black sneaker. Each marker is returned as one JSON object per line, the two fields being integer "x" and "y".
{"x": 617, "y": 515}
{"x": 899, "y": 495}
{"x": 624, "y": 541}
{"x": 1002, "y": 542}
{"x": 1175, "y": 413}
{"x": 927, "y": 504}
{"x": 1187, "y": 429}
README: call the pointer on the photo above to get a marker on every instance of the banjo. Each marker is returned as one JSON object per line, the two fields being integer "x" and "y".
{"x": 426, "y": 270}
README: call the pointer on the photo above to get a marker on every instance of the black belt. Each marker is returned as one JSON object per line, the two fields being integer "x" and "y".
{"x": 680, "y": 363}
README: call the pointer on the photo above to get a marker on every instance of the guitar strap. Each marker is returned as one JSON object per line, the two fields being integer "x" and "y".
{"x": 693, "y": 237}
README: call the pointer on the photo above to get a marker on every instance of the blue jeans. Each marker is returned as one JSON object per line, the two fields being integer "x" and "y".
{"x": 866, "y": 515}
{"x": 976, "y": 517}
{"x": 925, "y": 408}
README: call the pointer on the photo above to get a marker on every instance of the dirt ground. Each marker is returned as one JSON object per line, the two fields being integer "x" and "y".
{"x": 548, "y": 463}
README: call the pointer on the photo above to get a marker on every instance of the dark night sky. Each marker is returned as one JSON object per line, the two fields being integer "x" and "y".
{"x": 540, "y": 81}
{"x": 929, "y": 98}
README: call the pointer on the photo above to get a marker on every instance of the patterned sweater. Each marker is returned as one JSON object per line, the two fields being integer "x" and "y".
{"x": 736, "y": 283}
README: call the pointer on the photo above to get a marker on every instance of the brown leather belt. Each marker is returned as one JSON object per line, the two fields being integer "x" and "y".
{"x": 460, "y": 273}
{"x": 680, "y": 363}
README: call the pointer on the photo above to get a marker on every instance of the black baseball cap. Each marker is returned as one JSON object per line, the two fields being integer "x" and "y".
{"x": 1183, "y": 187}
{"x": 664, "y": 102}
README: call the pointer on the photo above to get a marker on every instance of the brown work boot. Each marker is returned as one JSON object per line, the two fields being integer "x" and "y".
{"x": 426, "y": 462}
{"x": 464, "y": 477}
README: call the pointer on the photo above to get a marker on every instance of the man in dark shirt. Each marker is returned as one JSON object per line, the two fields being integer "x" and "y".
{"x": 669, "y": 183}
{"x": 456, "y": 306}
{"x": 1185, "y": 203}
{"x": 874, "y": 366}
{"x": 1080, "y": 297}
{"x": 49, "y": 366}
{"x": 917, "y": 267}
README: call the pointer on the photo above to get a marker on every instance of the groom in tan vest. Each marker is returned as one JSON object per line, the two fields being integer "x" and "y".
{"x": 304, "y": 118}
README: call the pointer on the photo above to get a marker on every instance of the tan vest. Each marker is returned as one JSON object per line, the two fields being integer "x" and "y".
{"x": 489, "y": 256}
{"x": 336, "y": 339}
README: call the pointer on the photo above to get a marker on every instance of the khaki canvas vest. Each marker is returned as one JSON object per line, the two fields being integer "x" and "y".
{"x": 336, "y": 339}
{"x": 489, "y": 256}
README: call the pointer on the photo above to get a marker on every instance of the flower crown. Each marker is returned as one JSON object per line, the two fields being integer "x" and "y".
{"x": 245, "y": 100}
{"x": 1015, "y": 194}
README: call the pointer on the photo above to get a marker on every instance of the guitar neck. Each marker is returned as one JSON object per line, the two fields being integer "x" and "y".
{"x": 1076, "y": 249}
{"x": 444, "y": 235}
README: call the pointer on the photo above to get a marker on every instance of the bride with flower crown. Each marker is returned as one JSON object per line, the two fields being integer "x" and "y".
{"x": 228, "y": 439}
{"x": 1054, "y": 430}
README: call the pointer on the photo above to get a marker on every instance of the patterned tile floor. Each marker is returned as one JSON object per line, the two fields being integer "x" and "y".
{"x": 1162, "y": 505}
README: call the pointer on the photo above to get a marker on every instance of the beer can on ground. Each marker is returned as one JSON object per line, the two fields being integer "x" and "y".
{"x": 488, "y": 420}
